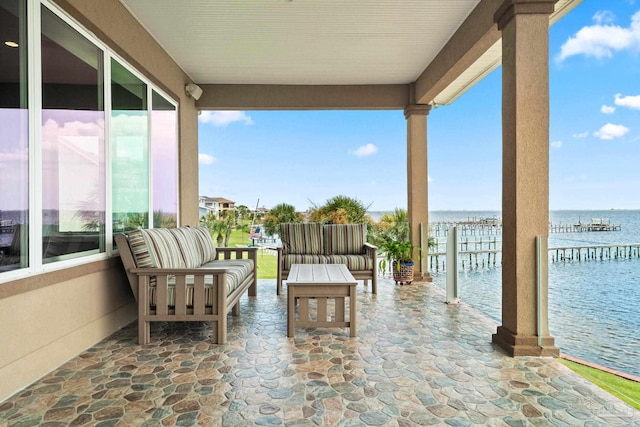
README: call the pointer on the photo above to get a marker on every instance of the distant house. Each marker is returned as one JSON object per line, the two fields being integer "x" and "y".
{"x": 215, "y": 205}
{"x": 225, "y": 204}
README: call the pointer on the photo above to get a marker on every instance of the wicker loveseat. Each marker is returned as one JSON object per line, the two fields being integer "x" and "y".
{"x": 177, "y": 274}
{"x": 316, "y": 243}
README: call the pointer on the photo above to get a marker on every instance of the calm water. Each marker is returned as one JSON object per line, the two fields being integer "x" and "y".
{"x": 594, "y": 306}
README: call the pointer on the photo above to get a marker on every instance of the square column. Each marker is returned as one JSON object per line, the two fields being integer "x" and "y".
{"x": 417, "y": 184}
{"x": 525, "y": 176}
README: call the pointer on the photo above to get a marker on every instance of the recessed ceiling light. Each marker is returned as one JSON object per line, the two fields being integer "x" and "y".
{"x": 11, "y": 43}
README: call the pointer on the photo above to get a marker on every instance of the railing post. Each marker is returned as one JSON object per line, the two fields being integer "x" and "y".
{"x": 452, "y": 266}
{"x": 538, "y": 290}
{"x": 423, "y": 253}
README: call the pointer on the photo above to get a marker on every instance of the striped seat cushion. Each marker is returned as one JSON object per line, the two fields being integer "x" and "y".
{"x": 301, "y": 238}
{"x": 239, "y": 270}
{"x": 353, "y": 262}
{"x": 344, "y": 239}
{"x": 289, "y": 260}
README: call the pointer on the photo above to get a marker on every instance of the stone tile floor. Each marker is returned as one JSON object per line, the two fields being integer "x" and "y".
{"x": 416, "y": 361}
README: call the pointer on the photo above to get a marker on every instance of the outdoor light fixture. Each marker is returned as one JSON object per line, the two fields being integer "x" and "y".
{"x": 11, "y": 43}
{"x": 193, "y": 90}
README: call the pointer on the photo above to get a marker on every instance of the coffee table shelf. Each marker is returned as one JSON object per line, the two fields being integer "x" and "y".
{"x": 322, "y": 282}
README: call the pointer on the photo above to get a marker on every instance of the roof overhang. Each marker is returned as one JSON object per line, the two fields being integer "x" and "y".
{"x": 329, "y": 54}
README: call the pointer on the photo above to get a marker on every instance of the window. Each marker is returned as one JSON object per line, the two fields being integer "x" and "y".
{"x": 164, "y": 149}
{"x": 86, "y": 143}
{"x": 73, "y": 160}
{"x": 129, "y": 150}
{"x": 14, "y": 136}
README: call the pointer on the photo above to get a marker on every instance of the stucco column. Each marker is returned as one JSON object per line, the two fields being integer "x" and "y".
{"x": 525, "y": 175}
{"x": 417, "y": 186}
{"x": 188, "y": 162}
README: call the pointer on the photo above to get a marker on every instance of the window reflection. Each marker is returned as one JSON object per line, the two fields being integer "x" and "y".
{"x": 14, "y": 141}
{"x": 73, "y": 198}
{"x": 164, "y": 144}
{"x": 129, "y": 148}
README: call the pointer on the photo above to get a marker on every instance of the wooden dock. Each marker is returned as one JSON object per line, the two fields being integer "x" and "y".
{"x": 486, "y": 257}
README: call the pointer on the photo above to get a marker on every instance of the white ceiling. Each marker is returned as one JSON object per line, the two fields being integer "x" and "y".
{"x": 312, "y": 42}
{"x": 316, "y": 42}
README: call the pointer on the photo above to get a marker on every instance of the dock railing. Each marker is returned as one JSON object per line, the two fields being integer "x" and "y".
{"x": 488, "y": 254}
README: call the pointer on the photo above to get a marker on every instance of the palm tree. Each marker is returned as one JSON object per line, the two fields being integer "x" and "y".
{"x": 279, "y": 214}
{"x": 216, "y": 227}
{"x": 340, "y": 210}
{"x": 243, "y": 211}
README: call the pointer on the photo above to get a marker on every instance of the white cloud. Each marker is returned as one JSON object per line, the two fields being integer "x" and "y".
{"x": 604, "y": 17}
{"x": 611, "y": 131}
{"x": 429, "y": 179}
{"x": 223, "y": 118}
{"x": 603, "y": 38}
{"x": 366, "y": 150}
{"x": 556, "y": 144}
{"x": 581, "y": 135}
{"x": 206, "y": 159}
{"x": 632, "y": 102}
{"x": 607, "y": 109}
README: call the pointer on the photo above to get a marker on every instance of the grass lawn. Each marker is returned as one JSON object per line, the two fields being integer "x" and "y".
{"x": 627, "y": 390}
{"x": 267, "y": 263}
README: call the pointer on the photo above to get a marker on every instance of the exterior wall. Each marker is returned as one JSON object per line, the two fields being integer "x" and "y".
{"x": 48, "y": 318}
{"x": 59, "y": 317}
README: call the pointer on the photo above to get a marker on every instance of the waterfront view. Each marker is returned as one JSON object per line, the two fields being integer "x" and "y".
{"x": 594, "y": 306}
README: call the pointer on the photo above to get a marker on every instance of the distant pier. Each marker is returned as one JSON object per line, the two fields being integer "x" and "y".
{"x": 493, "y": 226}
{"x": 596, "y": 224}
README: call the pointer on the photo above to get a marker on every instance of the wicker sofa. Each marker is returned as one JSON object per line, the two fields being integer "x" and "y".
{"x": 177, "y": 274}
{"x": 316, "y": 243}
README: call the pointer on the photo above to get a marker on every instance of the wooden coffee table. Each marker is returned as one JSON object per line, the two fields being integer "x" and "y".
{"x": 322, "y": 282}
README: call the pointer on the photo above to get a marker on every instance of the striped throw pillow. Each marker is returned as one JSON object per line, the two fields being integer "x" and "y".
{"x": 204, "y": 242}
{"x": 165, "y": 246}
{"x": 188, "y": 246}
{"x": 143, "y": 254}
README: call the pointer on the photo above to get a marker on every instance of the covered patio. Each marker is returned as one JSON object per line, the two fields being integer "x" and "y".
{"x": 416, "y": 361}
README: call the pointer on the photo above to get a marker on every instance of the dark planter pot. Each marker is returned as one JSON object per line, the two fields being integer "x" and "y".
{"x": 404, "y": 274}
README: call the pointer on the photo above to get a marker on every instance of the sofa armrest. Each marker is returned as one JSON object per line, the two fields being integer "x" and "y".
{"x": 371, "y": 250}
{"x": 241, "y": 253}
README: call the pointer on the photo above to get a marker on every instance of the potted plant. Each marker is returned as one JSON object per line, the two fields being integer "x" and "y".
{"x": 399, "y": 254}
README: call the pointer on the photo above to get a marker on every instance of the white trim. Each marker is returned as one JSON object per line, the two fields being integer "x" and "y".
{"x": 150, "y": 155}
{"x": 108, "y": 153}
{"x": 72, "y": 262}
{"x": 35, "y": 135}
{"x": 177, "y": 177}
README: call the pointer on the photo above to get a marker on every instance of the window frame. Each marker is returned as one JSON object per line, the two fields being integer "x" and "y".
{"x": 34, "y": 129}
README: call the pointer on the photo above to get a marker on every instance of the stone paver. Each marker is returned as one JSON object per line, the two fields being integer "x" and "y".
{"x": 416, "y": 361}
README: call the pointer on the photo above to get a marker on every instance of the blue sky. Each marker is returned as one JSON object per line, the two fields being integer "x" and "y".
{"x": 306, "y": 157}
